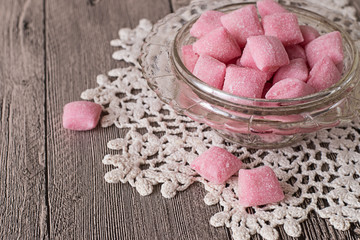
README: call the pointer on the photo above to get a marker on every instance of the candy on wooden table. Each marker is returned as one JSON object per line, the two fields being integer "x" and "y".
{"x": 309, "y": 33}
{"x": 295, "y": 51}
{"x": 216, "y": 165}
{"x": 289, "y": 88}
{"x": 189, "y": 57}
{"x": 243, "y": 81}
{"x": 268, "y": 7}
{"x": 329, "y": 45}
{"x": 81, "y": 115}
{"x": 207, "y": 22}
{"x": 246, "y": 60}
{"x": 210, "y": 70}
{"x": 267, "y": 52}
{"x": 297, "y": 68}
{"x": 284, "y": 26}
{"x": 218, "y": 44}
{"x": 324, "y": 74}
{"x": 242, "y": 23}
{"x": 258, "y": 186}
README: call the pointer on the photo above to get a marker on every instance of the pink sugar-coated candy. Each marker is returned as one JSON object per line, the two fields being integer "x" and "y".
{"x": 245, "y": 82}
{"x": 268, "y": 7}
{"x": 329, "y": 45}
{"x": 309, "y": 33}
{"x": 189, "y": 57}
{"x": 207, "y": 22}
{"x": 258, "y": 186}
{"x": 247, "y": 60}
{"x": 267, "y": 52}
{"x": 297, "y": 68}
{"x": 210, "y": 70}
{"x": 242, "y": 24}
{"x": 289, "y": 88}
{"x": 324, "y": 74}
{"x": 295, "y": 51}
{"x": 284, "y": 26}
{"x": 216, "y": 165}
{"x": 218, "y": 44}
{"x": 81, "y": 115}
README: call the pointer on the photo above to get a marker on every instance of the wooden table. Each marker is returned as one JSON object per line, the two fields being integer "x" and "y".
{"x": 51, "y": 180}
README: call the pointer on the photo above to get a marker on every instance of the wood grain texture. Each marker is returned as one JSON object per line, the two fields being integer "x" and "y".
{"x": 22, "y": 132}
{"x": 82, "y": 204}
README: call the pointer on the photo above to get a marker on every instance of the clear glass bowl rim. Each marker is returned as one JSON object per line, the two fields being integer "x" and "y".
{"x": 307, "y": 103}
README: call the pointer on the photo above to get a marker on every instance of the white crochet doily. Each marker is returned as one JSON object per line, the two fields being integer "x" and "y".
{"x": 320, "y": 174}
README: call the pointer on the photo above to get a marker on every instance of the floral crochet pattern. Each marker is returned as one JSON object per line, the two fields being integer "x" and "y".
{"x": 319, "y": 174}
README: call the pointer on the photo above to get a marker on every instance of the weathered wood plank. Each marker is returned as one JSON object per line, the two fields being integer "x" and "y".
{"x": 23, "y": 209}
{"x": 82, "y": 204}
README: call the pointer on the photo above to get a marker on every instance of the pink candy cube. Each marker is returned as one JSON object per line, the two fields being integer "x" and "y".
{"x": 189, "y": 57}
{"x": 295, "y": 51}
{"x": 81, "y": 115}
{"x": 268, "y": 7}
{"x": 247, "y": 60}
{"x": 268, "y": 53}
{"x": 207, "y": 22}
{"x": 216, "y": 165}
{"x": 258, "y": 186}
{"x": 324, "y": 74}
{"x": 296, "y": 69}
{"x": 289, "y": 88}
{"x": 326, "y": 45}
{"x": 284, "y": 26}
{"x": 218, "y": 44}
{"x": 309, "y": 33}
{"x": 210, "y": 70}
{"x": 245, "y": 82}
{"x": 242, "y": 24}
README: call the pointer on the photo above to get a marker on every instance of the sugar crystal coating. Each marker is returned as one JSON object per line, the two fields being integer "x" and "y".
{"x": 309, "y": 33}
{"x": 268, "y": 7}
{"x": 245, "y": 82}
{"x": 284, "y": 26}
{"x": 189, "y": 57}
{"x": 247, "y": 60}
{"x": 242, "y": 23}
{"x": 218, "y": 44}
{"x": 216, "y": 165}
{"x": 295, "y": 51}
{"x": 268, "y": 53}
{"x": 297, "y": 68}
{"x": 258, "y": 186}
{"x": 289, "y": 88}
{"x": 329, "y": 45}
{"x": 207, "y": 22}
{"x": 210, "y": 70}
{"x": 324, "y": 74}
{"x": 81, "y": 115}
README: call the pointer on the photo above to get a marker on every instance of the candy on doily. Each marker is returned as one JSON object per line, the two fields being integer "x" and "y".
{"x": 216, "y": 165}
{"x": 291, "y": 164}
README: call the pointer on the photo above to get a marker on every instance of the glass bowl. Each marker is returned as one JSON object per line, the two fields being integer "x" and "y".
{"x": 256, "y": 123}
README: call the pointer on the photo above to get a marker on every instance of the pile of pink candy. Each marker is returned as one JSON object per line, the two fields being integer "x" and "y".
{"x": 258, "y": 186}
{"x": 275, "y": 58}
